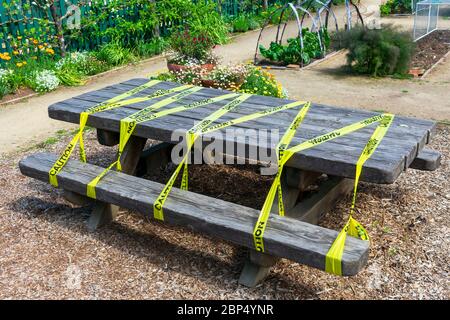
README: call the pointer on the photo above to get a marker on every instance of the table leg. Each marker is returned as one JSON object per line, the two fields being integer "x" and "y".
{"x": 310, "y": 209}
{"x": 153, "y": 158}
{"x": 104, "y": 213}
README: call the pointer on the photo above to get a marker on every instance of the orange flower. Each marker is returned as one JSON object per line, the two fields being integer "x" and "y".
{"x": 50, "y": 51}
{"x": 35, "y": 41}
{"x": 40, "y": 46}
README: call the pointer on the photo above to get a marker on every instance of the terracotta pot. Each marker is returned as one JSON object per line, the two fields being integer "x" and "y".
{"x": 208, "y": 66}
{"x": 178, "y": 67}
{"x": 208, "y": 83}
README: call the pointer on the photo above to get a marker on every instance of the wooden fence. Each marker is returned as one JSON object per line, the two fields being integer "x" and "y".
{"x": 21, "y": 20}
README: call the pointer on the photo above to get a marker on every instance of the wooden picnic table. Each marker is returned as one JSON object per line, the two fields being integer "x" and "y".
{"x": 401, "y": 148}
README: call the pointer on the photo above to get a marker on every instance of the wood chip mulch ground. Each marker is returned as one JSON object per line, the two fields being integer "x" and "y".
{"x": 430, "y": 49}
{"x": 48, "y": 253}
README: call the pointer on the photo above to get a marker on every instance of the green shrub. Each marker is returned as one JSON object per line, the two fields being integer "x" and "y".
{"x": 245, "y": 22}
{"x": 240, "y": 24}
{"x": 92, "y": 66}
{"x": 69, "y": 75}
{"x": 377, "y": 52}
{"x": 292, "y": 53}
{"x": 202, "y": 19}
{"x": 151, "y": 48}
{"x": 190, "y": 47}
{"x": 395, "y": 6}
{"x": 114, "y": 54}
{"x": 5, "y": 82}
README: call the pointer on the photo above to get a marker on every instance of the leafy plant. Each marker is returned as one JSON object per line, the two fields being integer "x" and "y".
{"x": 395, "y": 6}
{"x": 241, "y": 24}
{"x": 115, "y": 54}
{"x": 5, "y": 82}
{"x": 292, "y": 53}
{"x": 202, "y": 19}
{"x": 376, "y": 52}
{"x": 151, "y": 48}
{"x": 69, "y": 75}
{"x": 191, "y": 47}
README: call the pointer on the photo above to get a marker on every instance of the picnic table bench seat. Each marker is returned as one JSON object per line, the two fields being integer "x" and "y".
{"x": 285, "y": 237}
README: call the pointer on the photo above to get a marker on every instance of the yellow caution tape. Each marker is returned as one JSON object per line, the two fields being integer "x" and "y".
{"x": 128, "y": 124}
{"x": 260, "y": 226}
{"x": 64, "y": 157}
{"x": 191, "y": 136}
{"x": 112, "y": 103}
{"x": 252, "y": 116}
{"x": 333, "y": 260}
{"x": 284, "y": 156}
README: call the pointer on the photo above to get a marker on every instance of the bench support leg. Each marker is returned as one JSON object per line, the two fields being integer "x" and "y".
{"x": 104, "y": 213}
{"x": 256, "y": 268}
{"x": 310, "y": 209}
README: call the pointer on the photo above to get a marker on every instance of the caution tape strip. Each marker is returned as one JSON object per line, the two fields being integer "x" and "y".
{"x": 191, "y": 135}
{"x": 128, "y": 124}
{"x": 333, "y": 260}
{"x": 261, "y": 224}
{"x": 112, "y": 103}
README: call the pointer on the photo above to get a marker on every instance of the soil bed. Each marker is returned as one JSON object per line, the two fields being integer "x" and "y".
{"x": 430, "y": 49}
{"x": 22, "y": 92}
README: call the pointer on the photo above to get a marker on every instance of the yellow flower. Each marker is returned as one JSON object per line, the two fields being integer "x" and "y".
{"x": 19, "y": 38}
{"x": 40, "y": 46}
{"x": 24, "y": 63}
{"x": 15, "y": 52}
{"x": 50, "y": 51}
{"x": 35, "y": 41}
{"x": 19, "y": 64}
{"x": 5, "y": 56}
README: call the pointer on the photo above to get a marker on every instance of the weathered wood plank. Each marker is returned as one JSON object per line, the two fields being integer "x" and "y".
{"x": 284, "y": 237}
{"x": 427, "y": 159}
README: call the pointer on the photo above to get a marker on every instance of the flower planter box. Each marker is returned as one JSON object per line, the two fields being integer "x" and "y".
{"x": 178, "y": 67}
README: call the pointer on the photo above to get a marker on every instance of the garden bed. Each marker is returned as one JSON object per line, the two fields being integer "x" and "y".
{"x": 431, "y": 49}
{"x": 22, "y": 93}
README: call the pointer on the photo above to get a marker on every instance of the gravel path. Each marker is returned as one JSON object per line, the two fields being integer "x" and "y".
{"x": 47, "y": 252}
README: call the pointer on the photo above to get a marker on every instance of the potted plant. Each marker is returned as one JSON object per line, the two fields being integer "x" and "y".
{"x": 189, "y": 49}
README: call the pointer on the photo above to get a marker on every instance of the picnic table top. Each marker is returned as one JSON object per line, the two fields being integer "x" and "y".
{"x": 405, "y": 138}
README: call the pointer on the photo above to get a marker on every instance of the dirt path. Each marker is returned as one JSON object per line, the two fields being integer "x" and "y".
{"x": 27, "y": 122}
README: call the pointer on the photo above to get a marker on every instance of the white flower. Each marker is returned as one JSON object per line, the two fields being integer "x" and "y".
{"x": 4, "y": 73}
{"x": 46, "y": 80}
